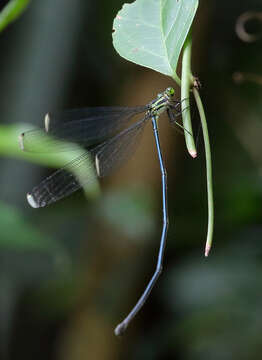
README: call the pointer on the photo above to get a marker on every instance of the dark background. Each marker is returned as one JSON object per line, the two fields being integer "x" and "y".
{"x": 70, "y": 272}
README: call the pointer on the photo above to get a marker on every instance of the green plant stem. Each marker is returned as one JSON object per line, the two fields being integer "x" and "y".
{"x": 186, "y": 84}
{"x": 208, "y": 172}
{"x": 177, "y": 79}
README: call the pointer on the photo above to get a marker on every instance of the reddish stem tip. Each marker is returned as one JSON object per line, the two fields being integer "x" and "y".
{"x": 207, "y": 249}
{"x": 193, "y": 153}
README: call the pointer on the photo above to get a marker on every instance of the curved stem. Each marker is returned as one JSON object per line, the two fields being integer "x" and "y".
{"x": 177, "y": 79}
{"x": 186, "y": 84}
{"x": 208, "y": 172}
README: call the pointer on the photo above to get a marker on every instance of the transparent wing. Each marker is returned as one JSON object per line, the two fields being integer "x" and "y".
{"x": 92, "y": 113}
{"x": 113, "y": 153}
{"x": 37, "y": 140}
{"x": 104, "y": 158}
{"x": 62, "y": 182}
{"x": 85, "y": 127}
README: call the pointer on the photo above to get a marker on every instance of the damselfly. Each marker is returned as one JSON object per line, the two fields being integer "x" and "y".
{"x": 108, "y": 141}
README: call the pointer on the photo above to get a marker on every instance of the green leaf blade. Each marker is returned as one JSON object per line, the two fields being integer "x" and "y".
{"x": 12, "y": 11}
{"x": 151, "y": 33}
{"x": 176, "y": 28}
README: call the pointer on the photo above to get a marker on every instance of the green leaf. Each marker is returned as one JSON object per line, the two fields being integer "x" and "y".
{"x": 12, "y": 11}
{"x": 151, "y": 33}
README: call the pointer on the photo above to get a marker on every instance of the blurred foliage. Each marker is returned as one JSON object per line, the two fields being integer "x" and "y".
{"x": 139, "y": 205}
{"x": 18, "y": 234}
{"x": 12, "y": 11}
{"x": 69, "y": 273}
{"x": 219, "y": 309}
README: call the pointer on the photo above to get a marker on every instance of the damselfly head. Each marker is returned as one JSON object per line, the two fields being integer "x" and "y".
{"x": 169, "y": 91}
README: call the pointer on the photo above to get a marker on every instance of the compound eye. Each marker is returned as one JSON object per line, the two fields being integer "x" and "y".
{"x": 170, "y": 91}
